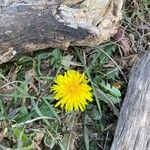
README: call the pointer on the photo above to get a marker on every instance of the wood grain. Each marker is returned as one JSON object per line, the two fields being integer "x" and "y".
{"x": 133, "y": 129}
{"x": 29, "y": 25}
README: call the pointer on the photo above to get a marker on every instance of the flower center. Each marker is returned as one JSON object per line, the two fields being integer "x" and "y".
{"x": 73, "y": 89}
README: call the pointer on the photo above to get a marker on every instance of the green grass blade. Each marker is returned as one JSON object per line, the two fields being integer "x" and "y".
{"x": 52, "y": 109}
{"x": 86, "y": 137}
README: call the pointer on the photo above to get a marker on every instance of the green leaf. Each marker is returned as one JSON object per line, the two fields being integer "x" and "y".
{"x": 25, "y": 61}
{"x": 23, "y": 115}
{"x": 103, "y": 58}
{"x": 100, "y": 58}
{"x": 18, "y": 132}
{"x": 68, "y": 141}
{"x": 56, "y": 58}
{"x": 43, "y": 56}
{"x": 112, "y": 73}
{"x": 50, "y": 141}
{"x": 2, "y": 77}
{"x": 114, "y": 99}
{"x": 21, "y": 92}
{"x": 52, "y": 109}
{"x": 86, "y": 137}
{"x": 61, "y": 145}
{"x": 112, "y": 90}
{"x": 103, "y": 97}
{"x": 95, "y": 114}
{"x": 29, "y": 147}
{"x": 39, "y": 112}
{"x": 44, "y": 109}
{"x": 2, "y": 108}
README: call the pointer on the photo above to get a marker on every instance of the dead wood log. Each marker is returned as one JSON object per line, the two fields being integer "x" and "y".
{"x": 29, "y": 25}
{"x": 133, "y": 129}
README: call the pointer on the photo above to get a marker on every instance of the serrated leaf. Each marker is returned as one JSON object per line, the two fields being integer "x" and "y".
{"x": 55, "y": 58}
{"x": 114, "y": 99}
{"x": 112, "y": 90}
{"x": 102, "y": 96}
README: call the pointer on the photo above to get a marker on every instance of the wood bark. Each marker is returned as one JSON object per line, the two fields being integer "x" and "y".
{"x": 133, "y": 129}
{"x": 29, "y": 25}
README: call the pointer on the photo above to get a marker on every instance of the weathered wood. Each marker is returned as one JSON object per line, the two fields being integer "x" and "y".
{"x": 133, "y": 129}
{"x": 29, "y": 25}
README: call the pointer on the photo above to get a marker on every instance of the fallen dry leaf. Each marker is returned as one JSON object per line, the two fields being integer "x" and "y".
{"x": 3, "y": 134}
{"x": 117, "y": 85}
{"x": 123, "y": 41}
{"x": 67, "y": 62}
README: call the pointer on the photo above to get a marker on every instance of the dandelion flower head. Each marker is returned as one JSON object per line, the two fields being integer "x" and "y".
{"x": 72, "y": 91}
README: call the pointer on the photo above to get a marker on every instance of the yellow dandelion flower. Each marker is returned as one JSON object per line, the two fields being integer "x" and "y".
{"x": 72, "y": 91}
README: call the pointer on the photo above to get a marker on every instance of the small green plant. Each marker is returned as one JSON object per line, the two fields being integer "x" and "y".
{"x": 28, "y": 107}
{"x": 28, "y": 118}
